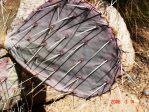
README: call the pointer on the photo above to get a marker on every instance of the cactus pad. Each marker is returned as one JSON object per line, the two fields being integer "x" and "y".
{"x": 69, "y": 46}
{"x": 9, "y": 90}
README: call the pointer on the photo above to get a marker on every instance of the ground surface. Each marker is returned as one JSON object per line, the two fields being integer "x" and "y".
{"x": 129, "y": 94}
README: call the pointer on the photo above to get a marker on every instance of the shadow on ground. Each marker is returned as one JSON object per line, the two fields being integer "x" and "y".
{"x": 33, "y": 102}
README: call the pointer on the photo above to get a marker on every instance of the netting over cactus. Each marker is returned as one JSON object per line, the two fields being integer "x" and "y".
{"x": 68, "y": 45}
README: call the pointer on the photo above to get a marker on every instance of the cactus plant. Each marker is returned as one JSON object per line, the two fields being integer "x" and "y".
{"x": 69, "y": 46}
{"x": 9, "y": 90}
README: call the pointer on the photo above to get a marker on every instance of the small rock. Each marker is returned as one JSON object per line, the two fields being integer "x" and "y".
{"x": 146, "y": 92}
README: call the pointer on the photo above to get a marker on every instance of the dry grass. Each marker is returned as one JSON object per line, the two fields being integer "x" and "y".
{"x": 8, "y": 9}
{"x": 136, "y": 15}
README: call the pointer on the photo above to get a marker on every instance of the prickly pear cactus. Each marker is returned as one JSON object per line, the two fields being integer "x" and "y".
{"x": 9, "y": 89}
{"x": 68, "y": 45}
